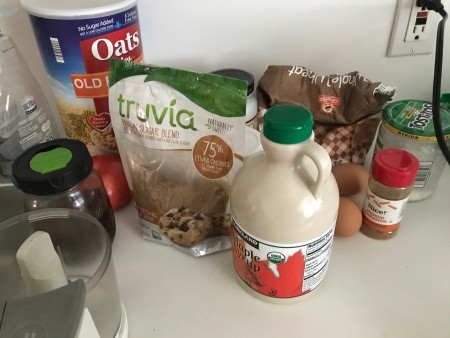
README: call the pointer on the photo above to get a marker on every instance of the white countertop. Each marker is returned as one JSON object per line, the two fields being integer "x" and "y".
{"x": 395, "y": 288}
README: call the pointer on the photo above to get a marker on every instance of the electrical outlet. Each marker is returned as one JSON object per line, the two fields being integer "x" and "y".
{"x": 411, "y": 35}
{"x": 419, "y": 25}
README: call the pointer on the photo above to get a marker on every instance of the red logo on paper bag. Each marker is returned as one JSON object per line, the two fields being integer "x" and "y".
{"x": 328, "y": 104}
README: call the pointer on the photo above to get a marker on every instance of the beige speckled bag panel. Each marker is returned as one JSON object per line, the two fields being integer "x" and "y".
{"x": 345, "y": 107}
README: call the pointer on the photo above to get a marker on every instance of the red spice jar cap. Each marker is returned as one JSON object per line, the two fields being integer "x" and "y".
{"x": 395, "y": 167}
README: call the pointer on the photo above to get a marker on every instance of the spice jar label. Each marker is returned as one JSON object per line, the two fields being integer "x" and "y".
{"x": 381, "y": 214}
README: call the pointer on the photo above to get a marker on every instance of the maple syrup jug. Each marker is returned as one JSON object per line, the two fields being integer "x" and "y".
{"x": 284, "y": 203}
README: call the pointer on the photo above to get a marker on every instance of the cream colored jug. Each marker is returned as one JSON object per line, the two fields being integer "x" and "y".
{"x": 284, "y": 204}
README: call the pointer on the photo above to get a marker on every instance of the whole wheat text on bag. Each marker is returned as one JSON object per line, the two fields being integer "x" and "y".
{"x": 345, "y": 107}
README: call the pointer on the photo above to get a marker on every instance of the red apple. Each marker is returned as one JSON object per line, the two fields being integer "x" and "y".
{"x": 110, "y": 170}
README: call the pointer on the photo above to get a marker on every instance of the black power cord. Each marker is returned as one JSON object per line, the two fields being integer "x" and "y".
{"x": 437, "y": 6}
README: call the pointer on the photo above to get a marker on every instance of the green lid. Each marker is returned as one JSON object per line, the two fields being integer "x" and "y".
{"x": 49, "y": 161}
{"x": 287, "y": 124}
{"x": 414, "y": 119}
{"x": 445, "y": 100}
{"x": 52, "y": 167}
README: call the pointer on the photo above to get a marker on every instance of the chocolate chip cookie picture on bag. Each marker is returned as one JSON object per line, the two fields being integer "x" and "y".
{"x": 346, "y": 108}
{"x": 187, "y": 227}
{"x": 181, "y": 137}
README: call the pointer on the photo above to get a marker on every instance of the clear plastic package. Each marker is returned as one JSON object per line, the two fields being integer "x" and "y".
{"x": 25, "y": 115}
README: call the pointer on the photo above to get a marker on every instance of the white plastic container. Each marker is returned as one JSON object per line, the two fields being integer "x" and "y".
{"x": 85, "y": 251}
{"x": 284, "y": 203}
{"x": 251, "y": 108}
{"x": 76, "y": 39}
{"x": 252, "y": 142}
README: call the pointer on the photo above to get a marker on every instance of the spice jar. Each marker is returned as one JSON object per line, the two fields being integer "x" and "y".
{"x": 59, "y": 174}
{"x": 390, "y": 183}
{"x": 251, "y": 110}
{"x": 408, "y": 125}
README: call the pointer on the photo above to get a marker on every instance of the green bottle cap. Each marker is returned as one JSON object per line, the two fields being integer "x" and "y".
{"x": 287, "y": 124}
{"x": 51, "y": 160}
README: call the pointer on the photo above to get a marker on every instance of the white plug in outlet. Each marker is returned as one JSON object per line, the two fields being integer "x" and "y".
{"x": 409, "y": 36}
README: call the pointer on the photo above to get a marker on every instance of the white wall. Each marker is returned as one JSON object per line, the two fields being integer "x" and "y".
{"x": 327, "y": 36}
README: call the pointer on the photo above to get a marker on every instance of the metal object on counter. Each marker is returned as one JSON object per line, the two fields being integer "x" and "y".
{"x": 53, "y": 314}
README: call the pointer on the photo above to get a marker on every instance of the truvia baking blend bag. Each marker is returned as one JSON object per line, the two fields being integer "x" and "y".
{"x": 181, "y": 138}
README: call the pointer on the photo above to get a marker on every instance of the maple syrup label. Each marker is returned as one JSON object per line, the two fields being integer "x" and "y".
{"x": 381, "y": 214}
{"x": 280, "y": 270}
{"x": 76, "y": 55}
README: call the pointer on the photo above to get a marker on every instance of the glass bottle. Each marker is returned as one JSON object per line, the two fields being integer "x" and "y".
{"x": 59, "y": 174}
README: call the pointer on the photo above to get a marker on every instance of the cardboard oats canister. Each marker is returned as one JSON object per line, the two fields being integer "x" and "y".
{"x": 76, "y": 39}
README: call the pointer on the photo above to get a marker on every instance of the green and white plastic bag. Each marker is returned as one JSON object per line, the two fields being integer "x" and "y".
{"x": 181, "y": 138}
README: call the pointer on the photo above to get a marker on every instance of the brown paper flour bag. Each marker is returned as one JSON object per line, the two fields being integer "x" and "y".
{"x": 345, "y": 107}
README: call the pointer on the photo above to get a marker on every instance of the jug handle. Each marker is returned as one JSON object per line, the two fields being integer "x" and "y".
{"x": 322, "y": 161}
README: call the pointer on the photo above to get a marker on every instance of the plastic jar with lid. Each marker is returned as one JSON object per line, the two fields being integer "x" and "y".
{"x": 408, "y": 125}
{"x": 251, "y": 110}
{"x": 284, "y": 203}
{"x": 60, "y": 174}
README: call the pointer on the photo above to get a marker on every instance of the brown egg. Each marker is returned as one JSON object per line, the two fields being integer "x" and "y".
{"x": 349, "y": 218}
{"x": 351, "y": 178}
